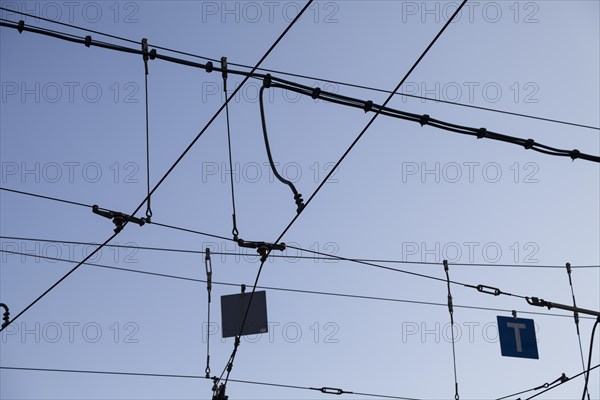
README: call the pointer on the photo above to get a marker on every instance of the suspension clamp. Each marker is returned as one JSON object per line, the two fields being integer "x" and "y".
{"x": 262, "y": 248}
{"x": 118, "y": 218}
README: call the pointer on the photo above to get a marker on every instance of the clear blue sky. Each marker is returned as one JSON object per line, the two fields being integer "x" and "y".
{"x": 72, "y": 126}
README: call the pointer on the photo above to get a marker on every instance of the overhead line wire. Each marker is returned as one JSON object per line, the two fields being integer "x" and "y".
{"x": 480, "y": 133}
{"x": 141, "y": 374}
{"x": 336, "y": 82}
{"x": 320, "y": 254}
{"x": 282, "y": 289}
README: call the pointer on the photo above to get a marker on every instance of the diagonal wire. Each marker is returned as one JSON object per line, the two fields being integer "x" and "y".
{"x": 232, "y": 358}
{"x": 576, "y": 319}
{"x": 79, "y": 264}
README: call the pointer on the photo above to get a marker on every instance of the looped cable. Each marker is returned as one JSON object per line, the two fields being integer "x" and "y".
{"x": 297, "y": 196}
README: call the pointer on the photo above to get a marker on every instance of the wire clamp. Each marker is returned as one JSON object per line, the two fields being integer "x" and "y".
{"x": 208, "y": 268}
{"x": 574, "y": 154}
{"x": 368, "y": 106}
{"x": 262, "y": 248}
{"x": 119, "y": 218}
{"x": 219, "y": 393}
{"x": 209, "y": 67}
{"x": 5, "y": 316}
{"x": 21, "y": 26}
{"x": 316, "y": 93}
{"x": 424, "y": 120}
{"x": 88, "y": 41}
{"x": 489, "y": 290}
{"x": 224, "y": 67}
{"x": 529, "y": 143}
{"x": 481, "y": 133}
{"x": 267, "y": 81}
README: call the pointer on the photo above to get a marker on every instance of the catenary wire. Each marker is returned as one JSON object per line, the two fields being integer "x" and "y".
{"x": 547, "y": 386}
{"x": 317, "y": 256}
{"x": 302, "y": 76}
{"x": 317, "y": 253}
{"x": 282, "y": 289}
{"x": 142, "y": 374}
{"x": 423, "y": 120}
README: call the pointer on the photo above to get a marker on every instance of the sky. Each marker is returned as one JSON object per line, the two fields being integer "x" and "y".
{"x": 72, "y": 126}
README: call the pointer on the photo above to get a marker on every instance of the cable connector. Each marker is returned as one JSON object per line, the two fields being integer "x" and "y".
{"x": 574, "y": 154}
{"x": 299, "y": 202}
{"x": 529, "y": 144}
{"x": 262, "y": 248}
{"x": 489, "y": 290}
{"x": 330, "y": 390}
{"x": 267, "y": 81}
{"x": 316, "y": 93}
{"x": 224, "y": 67}
{"x": 219, "y": 393}
{"x": 147, "y": 55}
{"x": 118, "y": 218}
{"x": 368, "y": 106}
{"x": 88, "y": 41}
{"x": 209, "y": 67}
{"x": 424, "y": 120}
{"x": 481, "y": 133}
{"x": 5, "y": 316}
{"x": 208, "y": 268}
{"x": 21, "y": 26}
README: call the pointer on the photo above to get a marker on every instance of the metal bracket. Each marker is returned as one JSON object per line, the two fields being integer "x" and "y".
{"x": 118, "y": 218}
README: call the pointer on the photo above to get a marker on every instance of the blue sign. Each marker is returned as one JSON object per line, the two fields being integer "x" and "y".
{"x": 517, "y": 337}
